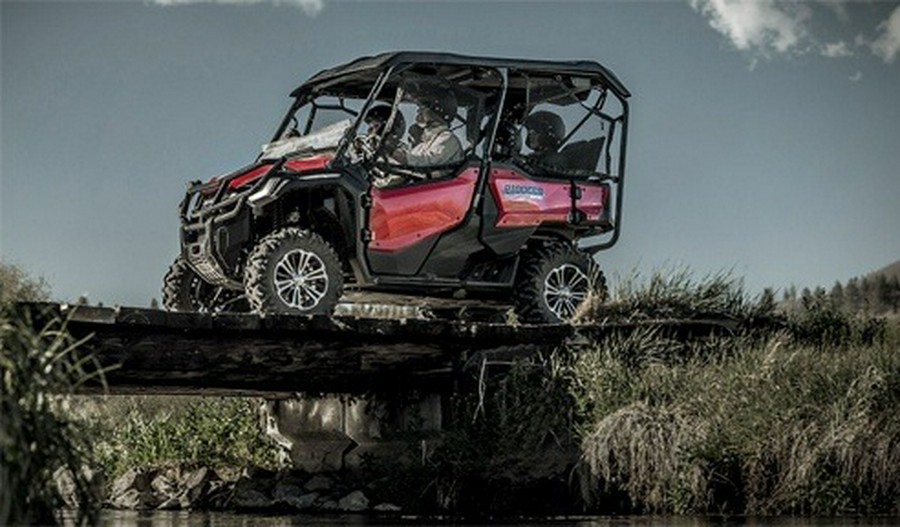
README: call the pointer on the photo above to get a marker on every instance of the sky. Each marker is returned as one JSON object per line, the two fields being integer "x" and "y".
{"x": 764, "y": 138}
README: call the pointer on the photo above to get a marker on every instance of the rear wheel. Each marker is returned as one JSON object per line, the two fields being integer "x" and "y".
{"x": 553, "y": 282}
{"x": 184, "y": 290}
{"x": 294, "y": 271}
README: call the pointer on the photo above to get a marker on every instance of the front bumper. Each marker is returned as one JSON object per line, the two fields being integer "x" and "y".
{"x": 214, "y": 232}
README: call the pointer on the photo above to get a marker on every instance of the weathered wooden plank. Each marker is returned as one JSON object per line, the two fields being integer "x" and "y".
{"x": 156, "y": 351}
{"x": 149, "y": 350}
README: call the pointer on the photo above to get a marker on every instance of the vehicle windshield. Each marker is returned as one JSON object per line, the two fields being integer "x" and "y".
{"x": 319, "y": 125}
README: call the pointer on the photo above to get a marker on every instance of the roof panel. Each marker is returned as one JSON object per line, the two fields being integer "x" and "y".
{"x": 386, "y": 60}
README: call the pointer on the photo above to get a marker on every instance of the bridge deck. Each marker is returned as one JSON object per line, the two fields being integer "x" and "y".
{"x": 153, "y": 351}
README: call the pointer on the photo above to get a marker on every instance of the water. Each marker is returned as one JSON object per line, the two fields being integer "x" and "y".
{"x": 110, "y": 518}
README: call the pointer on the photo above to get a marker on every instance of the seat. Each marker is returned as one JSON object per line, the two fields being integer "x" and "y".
{"x": 581, "y": 155}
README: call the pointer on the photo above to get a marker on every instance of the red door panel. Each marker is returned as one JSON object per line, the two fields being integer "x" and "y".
{"x": 401, "y": 217}
{"x": 523, "y": 201}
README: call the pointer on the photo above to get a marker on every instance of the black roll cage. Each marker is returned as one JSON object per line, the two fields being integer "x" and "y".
{"x": 392, "y": 64}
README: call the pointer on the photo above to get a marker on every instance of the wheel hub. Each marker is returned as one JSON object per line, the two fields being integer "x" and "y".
{"x": 301, "y": 280}
{"x": 565, "y": 288}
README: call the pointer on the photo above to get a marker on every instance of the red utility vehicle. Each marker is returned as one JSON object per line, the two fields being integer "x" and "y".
{"x": 506, "y": 183}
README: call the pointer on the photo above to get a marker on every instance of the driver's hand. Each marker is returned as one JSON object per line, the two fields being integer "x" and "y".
{"x": 365, "y": 145}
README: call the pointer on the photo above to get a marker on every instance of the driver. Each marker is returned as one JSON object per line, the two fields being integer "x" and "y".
{"x": 383, "y": 146}
{"x": 433, "y": 144}
{"x": 376, "y": 120}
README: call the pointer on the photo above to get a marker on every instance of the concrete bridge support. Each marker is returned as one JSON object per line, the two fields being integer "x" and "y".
{"x": 339, "y": 432}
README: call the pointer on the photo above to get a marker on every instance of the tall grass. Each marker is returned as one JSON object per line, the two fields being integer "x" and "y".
{"x": 38, "y": 368}
{"x": 189, "y": 431}
{"x": 674, "y": 293}
{"x": 796, "y": 417}
{"x": 772, "y": 428}
{"x": 800, "y": 421}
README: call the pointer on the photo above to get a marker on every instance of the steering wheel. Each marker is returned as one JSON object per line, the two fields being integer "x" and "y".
{"x": 367, "y": 146}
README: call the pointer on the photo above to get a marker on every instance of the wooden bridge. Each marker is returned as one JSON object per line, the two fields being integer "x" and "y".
{"x": 153, "y": 351}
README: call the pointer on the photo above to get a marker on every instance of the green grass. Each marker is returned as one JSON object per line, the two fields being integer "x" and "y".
{"x": 769, "y": 428}
{"x": 189, "y": 431}
{"x": 798, "y": 417}
{"x": 38, "y": 367}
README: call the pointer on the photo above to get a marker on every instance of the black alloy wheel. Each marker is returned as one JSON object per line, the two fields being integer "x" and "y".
{"x": 553, "y": 282}
{"x": 293, "y": 271}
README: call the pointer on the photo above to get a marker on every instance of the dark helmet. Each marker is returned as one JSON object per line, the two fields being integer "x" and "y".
{"x": 546, "y": 130}
{"x": 378, "y": 117}
{"x": 439, "y": 100}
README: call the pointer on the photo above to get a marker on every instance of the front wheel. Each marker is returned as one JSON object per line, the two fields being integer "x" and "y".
{"x": 294, "y": 271}
{"x": 184, "y": 290}
{"x": 553, "y": 282}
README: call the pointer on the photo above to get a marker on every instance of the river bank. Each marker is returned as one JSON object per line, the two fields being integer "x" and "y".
{"x": 795, "y": 415}
{"x": 231, "y": 489}
{"x": 746, "y": 425}
{"x": 115, "y": 518}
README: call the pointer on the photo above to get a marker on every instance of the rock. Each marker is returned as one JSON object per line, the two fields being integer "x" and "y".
{"x": 228, "y": 473}
{"x": 164, "y": 485}
{"x": 386, "y": 507}
{"x": 198, "y": 477}
{"x": 328, "y": 505}
{"x": 356, "y": 501}
{"x": 196, "y": 485}
{"x": 318, "y": 483}
{"x": 171, "y": 504}
{"x": 251, "y": 499}
{"x": 134, "y": 499}
{"x": 302, "y": 503}
{"x": 286, "y": 490}
{"x": 134, "y": 479}
{"x": 219, "y": 494}
{"x": 95, "y": 479}
{"x": 292, "y": 477}
{"x": 254, "y": 472}
{"x": 65, "y": 486}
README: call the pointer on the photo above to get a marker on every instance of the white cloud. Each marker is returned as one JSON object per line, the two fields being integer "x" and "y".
{"x": 762, "y": 26}
{"x": 887, "y": 45}
{"x": 768, "y": 28}
{"x": 310, "y": 7}
{"x": 837, "y": 49}
{"x": 856, "y": 77}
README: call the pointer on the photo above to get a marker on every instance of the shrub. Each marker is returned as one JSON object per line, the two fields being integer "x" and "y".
{"x": 190, "y": 431}
{"x": 38, "y": 368}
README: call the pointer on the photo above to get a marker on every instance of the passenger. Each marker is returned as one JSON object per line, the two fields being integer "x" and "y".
{"x": 508, "y": 139}
{"x": 546, "y": 131}
{"x": 433, "y": 143}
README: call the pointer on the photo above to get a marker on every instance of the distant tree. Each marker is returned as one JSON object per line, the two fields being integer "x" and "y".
{"x": 894, "y": 294}
{"x": 853, "y": 296}
{"x": 17, "y": 285}
{"x": 837, "y": 296}
{"x": 806, "y": 297}
{"x": 865, "y": 294}
{"x": 881, "y": 296}
{"x": 790, "y": 294}
{"x": 154, "y": 303}
{"x": 819, "y": 294}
